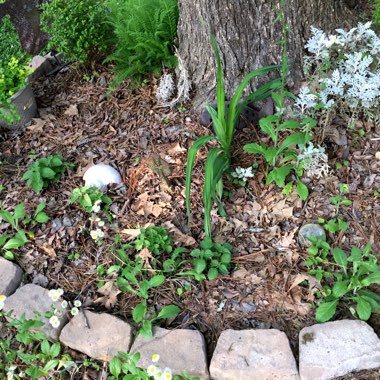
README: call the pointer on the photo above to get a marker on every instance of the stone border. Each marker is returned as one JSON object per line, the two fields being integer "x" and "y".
{"x": 326, "y": 350}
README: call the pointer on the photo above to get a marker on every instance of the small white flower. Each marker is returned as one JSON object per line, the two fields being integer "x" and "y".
{"x": 77, "y": 303}
{"x": 101, "y": 223}
{"x": 58, "y": 312}
{"x": 152, "y": 370}
{"x": 94, "y": 234}
{"x": 100, "y": 233}
{"x": 64, "y": 304}
{"x": 155, "y": 358}
{"x": 74, "y": 311}
{"x": 95, "y": 208}
{"x": 167, "y": 375}
{"x": 60, "y": 291}
{"x": 97, "y": 202}
{"x": 53, "y": 295}
{"x": 10, "y": 375}
{"x": 2, "y": 301}
{"x": 54, "y": 321}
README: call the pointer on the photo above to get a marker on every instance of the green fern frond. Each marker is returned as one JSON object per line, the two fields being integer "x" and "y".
{"x": 145, "y": 31}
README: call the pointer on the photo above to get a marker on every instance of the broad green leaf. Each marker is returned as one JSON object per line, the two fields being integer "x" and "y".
{"x": 363, "y": 309}
{"x": 326, "y": 311}
{"x": 340, "y": 288}
{"x": 7, "y": 216}
{"x": 266, "y": 125}
{"x": 279, "y": 175}
{"x": 156, "y": 281}
{"x": 13, "y": 243}
{"x": 50, "y": 365}
{"x": 48, "y": 173}
{"x": 40, "y": 207}
{"x": 41, "y": 217}
{"x": 21, "y": 236}
{"x": 302, "y": 190}
{"x": 8, "y": 255}
{"x": 169, "y": 311}
{"x": 289, "y": 124}
{"x": 212, "y": 274}
{"x": 340, "y": 257}
{"x": 146, "y": 329}
{"x": 373, "y": 278}
{"x": 139, "y": 312}
{"x": 191, "y": 156}
{"x": 45, "y": 347}
{"x": 255, "y": 148}
{"x": 199, "y": 265}
{"x": 375, "y": 306}
{"x": 293, "y": 139}
{"x": 55, "y": 350}
{"x": 115, "y": 367}
{"x": 19, "y": 211}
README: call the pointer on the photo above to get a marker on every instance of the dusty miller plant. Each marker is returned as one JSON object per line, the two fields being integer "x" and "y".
{"x": 344, "y": 74}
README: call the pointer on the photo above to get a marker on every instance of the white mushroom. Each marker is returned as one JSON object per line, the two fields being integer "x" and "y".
{"x": 101, "y": 175}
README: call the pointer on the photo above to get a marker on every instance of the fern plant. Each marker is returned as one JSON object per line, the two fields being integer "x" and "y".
{"x": 145, "y": 31}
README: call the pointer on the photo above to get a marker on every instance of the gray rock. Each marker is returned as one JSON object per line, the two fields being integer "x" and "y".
{"x": 10, "y": 277}
{"x": 67, "y": 222}
{"x": 337, "y": 348}
{"x": 253, "y": 355}
{"x": 56, "y": 225}
{"x": 41, "y": 66}
{"x": 310, "y": 230}
{"x": 100, "y": 336}
{"x": 180, "y": 350}
{"x": 31, "y": 298}
{"x": 40, "y": 279}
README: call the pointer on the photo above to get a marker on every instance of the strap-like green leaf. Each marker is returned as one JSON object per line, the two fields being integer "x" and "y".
{"x": 192, "y": 154}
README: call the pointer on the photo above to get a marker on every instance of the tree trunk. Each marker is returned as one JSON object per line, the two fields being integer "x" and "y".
{"x": 247, "y": 32}
{"x": 25, "y": 16}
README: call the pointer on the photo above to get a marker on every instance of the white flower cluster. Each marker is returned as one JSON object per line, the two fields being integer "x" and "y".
{"x": 11, "y": 373}
{"x": 97, "y": 234}
{"x": 156, "y": 372}
{"x": 314, "y": 161}
{"x": 242, "y": 173}
{"x": 165, "y": 89}
{"x": 354, "y": 77}
{"x": 55, "y": 295}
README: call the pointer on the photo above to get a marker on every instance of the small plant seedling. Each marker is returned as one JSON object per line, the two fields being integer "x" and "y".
{"x": 156, "y": 239}
{"x": 44, "y": 171}
{"x": 90, "y": 198}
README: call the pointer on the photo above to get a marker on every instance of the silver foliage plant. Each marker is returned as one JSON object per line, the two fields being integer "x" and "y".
{"x": 344, "y": 73}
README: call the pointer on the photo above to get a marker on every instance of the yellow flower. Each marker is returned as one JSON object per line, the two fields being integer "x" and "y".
{"x": 2, "y": 297}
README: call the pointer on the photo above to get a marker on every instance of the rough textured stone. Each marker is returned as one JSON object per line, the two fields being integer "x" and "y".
{"x": 253, "y": 354}
{"x": 10, "y": 277}
{"x": 100, "y": 336}
{"x": 180, "y": 350}
{"x": 41, "y": 66}
{"x": 31, "y": 298}
{"x": 334, "y": 349}
{"x": 310, "y": 230}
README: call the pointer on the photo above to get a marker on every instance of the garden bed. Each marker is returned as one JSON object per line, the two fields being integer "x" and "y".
{"x": 266, "y": 288}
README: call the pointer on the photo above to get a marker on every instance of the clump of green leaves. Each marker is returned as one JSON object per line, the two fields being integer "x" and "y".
{"x": 17, "y": 238}
{"x": 224, "y": 122}
{"x": 337, "y": 224}
{"x": 376, "y": 13}
{"x": 212, "y": 259}
{"x": 13, "y": 75}
{"x": 76, "y": 28}
{"x": 10, "y": 45}
{"x": 156, "y": 239}
{"x": 89, "y": 197}
{"x": 30, "y": 353}
{"x": 45, "y": 170}
{"x": 145, "y": 31}
{"x": 345, "y": 279}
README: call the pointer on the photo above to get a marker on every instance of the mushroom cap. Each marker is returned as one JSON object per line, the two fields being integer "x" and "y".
{"x": 101, "y": 175}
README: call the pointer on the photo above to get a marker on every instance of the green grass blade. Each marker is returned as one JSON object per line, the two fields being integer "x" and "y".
{"x": 191, "y": 156}
{"x": 231, "y": 117}
{"x": 216, "y": 164}
{"x": 220, "y": 95}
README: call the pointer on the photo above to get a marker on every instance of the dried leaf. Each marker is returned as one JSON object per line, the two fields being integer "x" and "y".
{"x": 72, "y": 110}
{"x": 110, "y": 293}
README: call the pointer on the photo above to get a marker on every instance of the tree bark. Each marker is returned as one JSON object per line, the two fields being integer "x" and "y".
{"x": 247, "y": 31}
{"x": 25, "y": 16}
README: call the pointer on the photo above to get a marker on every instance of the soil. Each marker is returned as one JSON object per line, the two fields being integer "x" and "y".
{"x": 267, "y": 287}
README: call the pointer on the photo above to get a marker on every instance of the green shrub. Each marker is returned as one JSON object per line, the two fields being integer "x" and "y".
{"x": 13, "y": 74}
{"x": 76, "y": 27}
{"x": 10, "y": 45}
{"x": 145, "y": 31}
